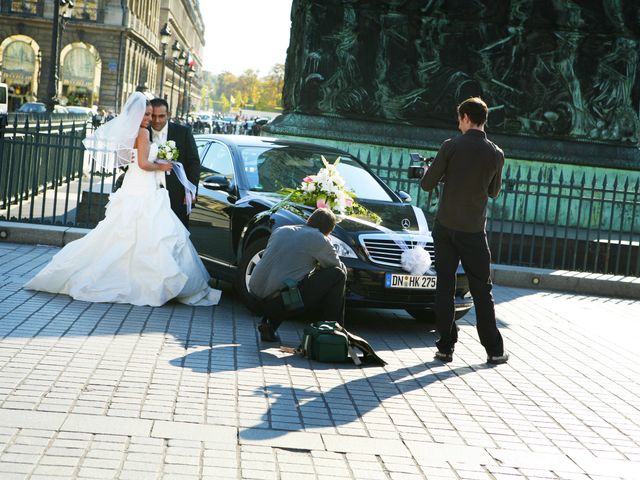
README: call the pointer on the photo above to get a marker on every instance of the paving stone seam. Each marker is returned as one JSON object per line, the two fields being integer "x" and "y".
{"x": 51, "y": 347}
{"x": 580, "y": 374}
{"x": 90, "y": 378}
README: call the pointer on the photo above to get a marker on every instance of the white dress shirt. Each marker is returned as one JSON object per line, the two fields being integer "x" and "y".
{"x": 159, "y": 138}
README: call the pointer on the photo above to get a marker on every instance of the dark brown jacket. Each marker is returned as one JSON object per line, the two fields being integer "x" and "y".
{"x": 470, "y": 166}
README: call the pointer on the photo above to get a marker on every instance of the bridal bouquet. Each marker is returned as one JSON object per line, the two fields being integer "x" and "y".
{"x": 327, "y": 189}
{"x": 168, "y": 150}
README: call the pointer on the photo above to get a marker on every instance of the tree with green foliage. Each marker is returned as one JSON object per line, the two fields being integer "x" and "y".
{"x": 247, "y": 90}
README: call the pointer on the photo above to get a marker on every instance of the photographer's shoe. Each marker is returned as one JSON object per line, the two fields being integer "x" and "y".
{"x": 267, "y": 334}
{"x": 443, "y": 357}
{"x": 498, "y": 359}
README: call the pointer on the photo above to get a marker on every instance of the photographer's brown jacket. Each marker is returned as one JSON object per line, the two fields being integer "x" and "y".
{"x": 470, "y": 167}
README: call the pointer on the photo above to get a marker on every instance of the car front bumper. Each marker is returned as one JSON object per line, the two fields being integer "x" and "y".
{"x": 366, "y": 288}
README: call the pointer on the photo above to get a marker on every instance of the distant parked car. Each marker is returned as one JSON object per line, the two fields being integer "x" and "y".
{"x": 4, "y": 98}
{"x": 78, "y": 110}
{"x": 207, "y": 121}
{"x": 39, "y": 107}
{"x": 32, "y": 107}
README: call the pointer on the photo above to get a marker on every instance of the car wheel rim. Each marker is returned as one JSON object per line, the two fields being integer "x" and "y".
{"x": 250, "y": 267}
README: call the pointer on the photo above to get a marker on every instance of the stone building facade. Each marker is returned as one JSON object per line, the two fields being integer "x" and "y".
{"x": 108, "y": 49}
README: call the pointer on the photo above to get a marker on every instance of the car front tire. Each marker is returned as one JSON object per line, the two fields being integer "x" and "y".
{"x": 250, "y": 259}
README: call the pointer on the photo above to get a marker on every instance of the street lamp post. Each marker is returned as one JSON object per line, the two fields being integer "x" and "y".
{"x": 181, "y": 61}
{"x": 61, "y": 13}
{"x": 190, "y": 74}
{"x": 165, "y": 35}
{"x": 175, "y": 53}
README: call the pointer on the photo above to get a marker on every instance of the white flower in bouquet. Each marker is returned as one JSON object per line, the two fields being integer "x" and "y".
{"x": 168, "y": 151}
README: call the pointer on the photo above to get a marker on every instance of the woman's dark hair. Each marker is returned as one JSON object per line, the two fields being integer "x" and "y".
{"x": 323, "y": 219}
{"x": 476, "y": 109}
{"x": 160, "y": 102}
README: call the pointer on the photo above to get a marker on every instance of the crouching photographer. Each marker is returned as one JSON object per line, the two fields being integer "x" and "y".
{"x": 299, "y": 271}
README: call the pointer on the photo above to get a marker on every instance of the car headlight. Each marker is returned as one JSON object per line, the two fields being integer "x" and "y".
{"x": 342, "y": 249}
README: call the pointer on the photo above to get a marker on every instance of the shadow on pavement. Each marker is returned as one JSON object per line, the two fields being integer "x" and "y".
{"x": 292, "y": 408}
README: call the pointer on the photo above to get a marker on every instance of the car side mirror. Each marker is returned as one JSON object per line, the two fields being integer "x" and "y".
{"x": 216, "y": 182}
{"x": 404, "y": 196}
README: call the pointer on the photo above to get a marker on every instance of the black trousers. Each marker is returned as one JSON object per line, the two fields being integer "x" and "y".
{"x": 452, "y": 247}
{"x": 322, "y": 292}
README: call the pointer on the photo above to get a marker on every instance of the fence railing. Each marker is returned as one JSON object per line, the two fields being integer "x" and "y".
{"x": 546, "y": 219}
{"x": 542, "y": 218}
{"x": 39, "y": 159}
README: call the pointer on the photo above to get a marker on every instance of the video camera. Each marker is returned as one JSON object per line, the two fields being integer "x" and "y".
{"x": 417, "y": 171}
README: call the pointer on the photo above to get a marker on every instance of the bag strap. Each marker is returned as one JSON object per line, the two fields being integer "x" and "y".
{"x": 350, "y": 351}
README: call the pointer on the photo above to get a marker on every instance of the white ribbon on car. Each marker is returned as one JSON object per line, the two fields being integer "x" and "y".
{"x": 414, "y": 259}
{"x": 189, "y": 188}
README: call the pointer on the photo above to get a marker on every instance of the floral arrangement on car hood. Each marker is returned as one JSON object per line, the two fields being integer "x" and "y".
{"x": 327, "y": 189}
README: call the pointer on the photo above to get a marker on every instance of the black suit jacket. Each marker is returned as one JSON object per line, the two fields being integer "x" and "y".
{"x": 189, "y": 158}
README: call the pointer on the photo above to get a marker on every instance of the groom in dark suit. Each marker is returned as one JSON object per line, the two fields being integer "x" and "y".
{"x": 163, "y": 130}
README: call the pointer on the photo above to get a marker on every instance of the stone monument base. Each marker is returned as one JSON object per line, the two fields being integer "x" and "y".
{"x": 403, "y": 136}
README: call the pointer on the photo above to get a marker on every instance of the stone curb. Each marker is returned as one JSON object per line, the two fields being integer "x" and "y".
{"x": 34, "y": 234}
{"x": 581, "y": 283}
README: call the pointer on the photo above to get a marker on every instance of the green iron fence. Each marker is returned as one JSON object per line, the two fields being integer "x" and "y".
{"x": 541, "y": 218}
{"x": 547, "y": 219}
{"x": 41, "y": 170}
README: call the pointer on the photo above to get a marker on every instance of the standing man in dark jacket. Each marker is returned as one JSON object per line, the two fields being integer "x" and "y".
{"x": 470, "y": 167}
{"x": 163, "y": 130}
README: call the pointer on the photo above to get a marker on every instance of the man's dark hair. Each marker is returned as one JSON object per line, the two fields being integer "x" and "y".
{"x": 476, "y": 109}
{"x": 323, "y": 219}
{"x": 160, "y": 102}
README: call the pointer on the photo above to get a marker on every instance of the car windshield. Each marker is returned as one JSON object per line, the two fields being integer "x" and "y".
{"x": 270, "y": 169}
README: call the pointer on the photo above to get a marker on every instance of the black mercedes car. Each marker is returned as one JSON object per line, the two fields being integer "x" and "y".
{"x": 239, "y": 205}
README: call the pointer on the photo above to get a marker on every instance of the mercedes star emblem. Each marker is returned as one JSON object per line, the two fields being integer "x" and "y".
{"x": 405, "y": 223}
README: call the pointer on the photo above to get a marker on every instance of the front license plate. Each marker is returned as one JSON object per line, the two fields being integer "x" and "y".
{"x": 420, "y": 282}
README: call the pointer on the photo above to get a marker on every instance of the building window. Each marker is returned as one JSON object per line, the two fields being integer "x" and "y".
{"x": 86, "y": 10}
{"x": 24, "y": 6}
{"x": 80, "y": 74}
{"x": 20, "y": 58}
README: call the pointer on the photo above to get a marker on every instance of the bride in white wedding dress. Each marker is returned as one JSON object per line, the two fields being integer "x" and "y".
{"x": 140, "y": 253}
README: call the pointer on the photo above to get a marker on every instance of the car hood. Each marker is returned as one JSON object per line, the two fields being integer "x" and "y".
{"x": 399, "y": 217}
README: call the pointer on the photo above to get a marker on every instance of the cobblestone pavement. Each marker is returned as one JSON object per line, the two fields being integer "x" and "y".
{"x": 116, "y": 391}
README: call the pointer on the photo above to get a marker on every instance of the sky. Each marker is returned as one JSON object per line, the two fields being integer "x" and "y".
{"x": 245, "y": 34}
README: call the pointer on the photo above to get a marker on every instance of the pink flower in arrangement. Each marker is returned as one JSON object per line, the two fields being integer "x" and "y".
{"x": 307, "y": 179}
{"x": 320, "y": 203}
{"x": 348, "y": 201}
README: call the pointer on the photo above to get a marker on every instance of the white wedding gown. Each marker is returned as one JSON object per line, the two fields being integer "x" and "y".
{"x": 139, "y": 254}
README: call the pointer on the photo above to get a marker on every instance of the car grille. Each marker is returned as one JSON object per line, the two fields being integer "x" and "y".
{"x": 383, "y": 250}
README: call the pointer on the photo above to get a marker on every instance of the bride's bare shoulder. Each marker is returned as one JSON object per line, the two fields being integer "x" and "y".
{"x": 143, "y": 133}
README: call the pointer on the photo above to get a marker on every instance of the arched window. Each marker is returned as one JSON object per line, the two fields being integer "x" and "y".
{"x": 80, "y": 74}
{"x": 20, "y": 60}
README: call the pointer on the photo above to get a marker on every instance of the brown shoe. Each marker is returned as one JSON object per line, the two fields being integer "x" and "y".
{"x": 267, "y": 334}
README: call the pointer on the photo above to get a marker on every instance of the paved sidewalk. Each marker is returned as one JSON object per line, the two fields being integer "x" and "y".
{"x": 116, "y": 391}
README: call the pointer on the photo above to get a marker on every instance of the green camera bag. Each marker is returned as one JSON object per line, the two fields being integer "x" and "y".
{"x": 323, "y": 343}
